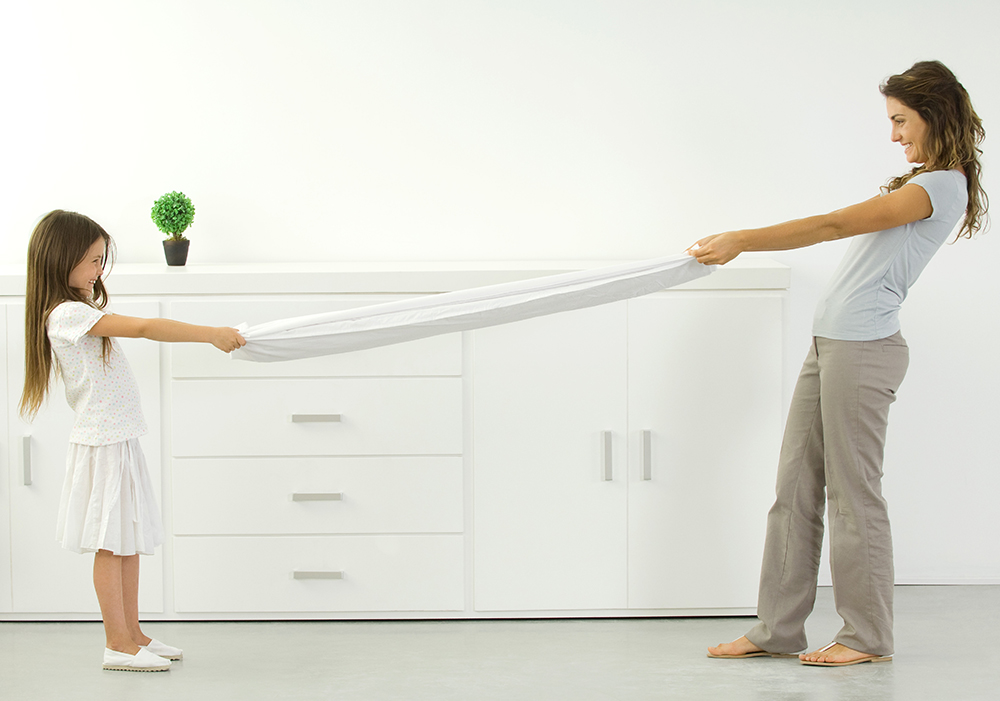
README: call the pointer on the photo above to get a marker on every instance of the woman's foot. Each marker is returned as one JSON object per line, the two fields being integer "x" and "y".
{"x": 837, "y": 655}
{"x": 741, "y": 649}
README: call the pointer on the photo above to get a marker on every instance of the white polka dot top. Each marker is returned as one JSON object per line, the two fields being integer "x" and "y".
{"x": 104, "y": 397}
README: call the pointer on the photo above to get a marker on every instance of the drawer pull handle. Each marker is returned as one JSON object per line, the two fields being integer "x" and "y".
{"x": 607, "y": 466}
{"x": 311, "y": 574}
{"x": 26, "y": 461}
{"x": 318, "y": 496}
{"x": 647, "y": 455}
{"x": 315, "y": 418}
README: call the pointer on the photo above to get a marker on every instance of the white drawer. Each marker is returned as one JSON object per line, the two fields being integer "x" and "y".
{"x": 377, "y": 573}
{"x": 370, "y": 416}
{"x": 247, "y": 496}
{"x": 436, "y": 356}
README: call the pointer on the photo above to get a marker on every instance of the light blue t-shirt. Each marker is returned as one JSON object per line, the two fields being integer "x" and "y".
{"x": 862, "y": 301}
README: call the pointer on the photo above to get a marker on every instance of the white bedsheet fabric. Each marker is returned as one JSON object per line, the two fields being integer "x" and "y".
{"x": 461, "y": 310}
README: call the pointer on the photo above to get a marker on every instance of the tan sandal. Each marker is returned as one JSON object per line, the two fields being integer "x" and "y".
{"x": 868, "y": 658}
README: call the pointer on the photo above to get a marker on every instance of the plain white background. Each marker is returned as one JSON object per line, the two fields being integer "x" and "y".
{"x": 516, "y": 129}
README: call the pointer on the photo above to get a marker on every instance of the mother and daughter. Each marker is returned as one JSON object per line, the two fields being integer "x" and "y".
{"x": 833, "y": 443}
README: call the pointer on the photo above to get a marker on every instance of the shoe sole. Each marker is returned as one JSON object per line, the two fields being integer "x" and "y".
{"x": 123, "y": 668}
{"x": 748, "y": 655}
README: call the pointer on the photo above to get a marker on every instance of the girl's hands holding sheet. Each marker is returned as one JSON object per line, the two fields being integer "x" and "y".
{"x": 226, "y": 339}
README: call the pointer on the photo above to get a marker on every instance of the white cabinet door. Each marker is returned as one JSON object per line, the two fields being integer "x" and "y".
{"x": 5, "y": 482}
{"x": 705, "y": 383}
{"x": 550, "y": 529}
{"x": 46, "y": 578}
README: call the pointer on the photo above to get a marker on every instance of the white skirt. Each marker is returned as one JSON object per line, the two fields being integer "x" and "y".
{"x": 108, "y": 502}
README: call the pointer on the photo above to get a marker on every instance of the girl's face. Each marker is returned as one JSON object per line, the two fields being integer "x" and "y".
{"x": 909, "y": 129}
{"x": 89, "y": 270}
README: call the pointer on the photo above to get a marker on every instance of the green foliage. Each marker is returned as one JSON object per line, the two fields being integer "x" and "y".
{"x": 172, "y": 214}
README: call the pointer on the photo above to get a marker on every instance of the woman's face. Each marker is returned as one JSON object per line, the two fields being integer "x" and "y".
{"x": 89, "y": 270}
{"x": 909, "y": 129}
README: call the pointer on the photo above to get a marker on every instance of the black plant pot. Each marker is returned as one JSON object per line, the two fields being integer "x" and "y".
{"x": 176, "y": 251}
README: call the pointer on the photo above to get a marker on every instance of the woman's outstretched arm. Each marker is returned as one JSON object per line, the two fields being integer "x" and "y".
{"x": 908, "y": 204}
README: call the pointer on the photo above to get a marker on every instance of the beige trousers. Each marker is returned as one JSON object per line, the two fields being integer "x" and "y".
{"x": 834, "y": 440}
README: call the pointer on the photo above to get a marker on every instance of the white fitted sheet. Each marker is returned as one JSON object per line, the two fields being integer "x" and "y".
{"x": 461, "y": 310}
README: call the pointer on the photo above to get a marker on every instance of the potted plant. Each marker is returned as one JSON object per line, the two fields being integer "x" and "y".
{"x": 173, "y": 214}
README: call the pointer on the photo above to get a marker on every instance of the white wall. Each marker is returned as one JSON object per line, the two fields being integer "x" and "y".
{"x": 524, "y": 129}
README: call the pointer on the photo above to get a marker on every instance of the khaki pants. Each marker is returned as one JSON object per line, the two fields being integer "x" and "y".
{"x": 834, "y": 439}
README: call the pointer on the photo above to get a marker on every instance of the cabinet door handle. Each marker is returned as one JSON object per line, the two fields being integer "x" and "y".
{"x": 647, "y": 455}
{"x": 315, "y": 418}
{"x": 317, "y": 574}
{"x": 607, "y": 466}
{"x": 26, "y": 461}
{"x": 317, "y": 496}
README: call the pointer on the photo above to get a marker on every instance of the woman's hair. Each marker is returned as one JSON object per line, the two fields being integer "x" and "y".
{"x": 58, "y": 244}
{"x": 954, "y": 131}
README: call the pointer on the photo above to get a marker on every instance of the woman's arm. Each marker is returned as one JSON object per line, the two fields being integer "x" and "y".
{"x": 167, "y": 330}
{"x": 908, "y": 204}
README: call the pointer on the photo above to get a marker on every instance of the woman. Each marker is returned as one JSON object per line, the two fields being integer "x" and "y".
{"x": 835, "y": 434}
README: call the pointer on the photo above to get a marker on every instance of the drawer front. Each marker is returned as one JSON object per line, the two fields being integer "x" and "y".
{"x": 314, "y": 574}
{"x": 237, "y": 496}
{"x": 370, "y": 416}
{"x": 436, "y": 356}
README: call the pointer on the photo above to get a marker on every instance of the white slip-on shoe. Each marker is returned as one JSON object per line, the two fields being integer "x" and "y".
{"x": 165, "y": 651}
{"x": 142, "y": 661}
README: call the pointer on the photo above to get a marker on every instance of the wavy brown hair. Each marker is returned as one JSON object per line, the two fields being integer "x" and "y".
{"x": 58, "y": 244}
{"x": 953, "y": 136}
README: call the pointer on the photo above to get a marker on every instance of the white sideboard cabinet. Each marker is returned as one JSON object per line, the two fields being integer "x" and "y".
{"x": 614, "y": 461}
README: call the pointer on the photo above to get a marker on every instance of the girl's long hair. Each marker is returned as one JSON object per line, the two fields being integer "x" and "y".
{"x": 58, "y": 244}
{"x": 954, "y": 132}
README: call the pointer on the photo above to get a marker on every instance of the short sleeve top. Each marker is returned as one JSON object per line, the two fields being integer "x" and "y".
{"x": 104, "y": 396}
{"x": 862, "y": 300}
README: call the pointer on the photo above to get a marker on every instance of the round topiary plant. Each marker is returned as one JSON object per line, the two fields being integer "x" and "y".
{"x": 172, "y": 214}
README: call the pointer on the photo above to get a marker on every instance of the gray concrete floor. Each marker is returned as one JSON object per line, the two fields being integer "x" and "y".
{"x": 580, "y": 659}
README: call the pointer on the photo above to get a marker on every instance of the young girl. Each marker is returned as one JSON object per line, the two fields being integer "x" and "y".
{"x": 837, "y": 421}
{"x": 107, "y": 504}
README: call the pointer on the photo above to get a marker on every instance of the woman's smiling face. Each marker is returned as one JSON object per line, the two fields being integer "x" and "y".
{"x": 909, "y": 129}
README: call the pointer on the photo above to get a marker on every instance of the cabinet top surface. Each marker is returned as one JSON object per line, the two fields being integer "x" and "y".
{"x": 375, "y": 277}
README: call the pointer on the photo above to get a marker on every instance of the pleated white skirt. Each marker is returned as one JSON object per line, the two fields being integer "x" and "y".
{"x": 108, "y": 502}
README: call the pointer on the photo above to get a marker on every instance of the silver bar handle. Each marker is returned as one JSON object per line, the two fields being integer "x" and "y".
{"x": 26, "y": 461}
{"x": 607, "y": 462}
{"x": 316, "y": 574}
{"x": 317, "y": 496}
{"x": 647, "y": 455}
{"x": 315, "y": 418}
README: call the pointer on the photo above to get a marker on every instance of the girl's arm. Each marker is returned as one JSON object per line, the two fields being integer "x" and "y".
{"x": 908, "y": 204}
{"x": 168, "y": 330}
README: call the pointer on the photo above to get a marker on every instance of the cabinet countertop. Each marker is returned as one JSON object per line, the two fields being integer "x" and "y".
{"x": 417, "y": 277}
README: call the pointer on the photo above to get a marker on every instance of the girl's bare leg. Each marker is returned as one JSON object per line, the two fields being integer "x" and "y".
{"x": 108, "y": 585}
{"x": 130, "y": 598}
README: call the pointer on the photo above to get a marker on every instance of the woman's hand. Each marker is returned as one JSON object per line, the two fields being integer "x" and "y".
{"x": 717, "y": 249}
{"x": 227, "y": 339}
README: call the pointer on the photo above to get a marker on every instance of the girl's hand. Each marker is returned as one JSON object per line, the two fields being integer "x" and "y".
{"x": 717, "y": 249}
{"x": 227, "y": 339}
